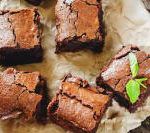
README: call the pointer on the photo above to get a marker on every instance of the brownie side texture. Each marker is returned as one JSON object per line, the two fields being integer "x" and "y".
{"x": 78, "y": 106}
{"x": 34, "y": 2}
{"x": 79, "y": 25}
{"x": 22, "y": 94}
{"x": 116, "y": 74}
{"x": 20, "y": 37}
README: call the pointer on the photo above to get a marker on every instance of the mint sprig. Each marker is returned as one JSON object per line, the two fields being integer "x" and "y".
{"x": 133, "y": 64}
{"x": 133, "y": 90}
{"x": 133, "y": 85}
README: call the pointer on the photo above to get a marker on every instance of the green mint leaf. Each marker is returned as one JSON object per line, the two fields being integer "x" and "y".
{"x": 133, "y": 90}
{"x": 133, "y": 64}
{"x": 140, "y": 81}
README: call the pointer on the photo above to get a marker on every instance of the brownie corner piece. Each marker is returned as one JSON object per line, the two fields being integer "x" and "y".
{"x": 34, "y": 2}
{"x": 82, "y": 28}
{"x": 78, "y": 106}
{"x": 116, "y": 74}
{"x": 23, "y": 95}
{"x": 20, "y": 38}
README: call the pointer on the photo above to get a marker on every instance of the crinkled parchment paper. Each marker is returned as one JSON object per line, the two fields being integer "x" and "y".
{"x": 127, "y": 22}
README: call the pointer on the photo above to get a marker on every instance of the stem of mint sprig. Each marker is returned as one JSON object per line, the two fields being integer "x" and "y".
{"x": 133, "y": 86}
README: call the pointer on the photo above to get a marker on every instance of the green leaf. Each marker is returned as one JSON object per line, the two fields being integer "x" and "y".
{"x": 133, "y": 64}
{"x": 140, "y": 81}
{"x": 133, "y": 90}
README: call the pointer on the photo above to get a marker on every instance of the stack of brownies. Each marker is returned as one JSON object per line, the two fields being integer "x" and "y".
{"x": 77, "y": 105}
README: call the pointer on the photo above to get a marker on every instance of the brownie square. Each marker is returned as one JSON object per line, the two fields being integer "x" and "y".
{"x": 22, "y": 95}
{"x": 20, "y": 40}
{"x": 79, "y": 25}
{"x": 78, "y": 106}
{"x": 117, "y": 73}
{"x": 34, "y": 2}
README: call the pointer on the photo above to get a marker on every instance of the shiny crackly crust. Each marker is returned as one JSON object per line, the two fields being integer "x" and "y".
{"x": 20, "y": 94}
{"x": 20, "y": 39}
{"x": 116, "y": 74}
{"x": 82, "y": 28}
{"x": 77, "y": 105}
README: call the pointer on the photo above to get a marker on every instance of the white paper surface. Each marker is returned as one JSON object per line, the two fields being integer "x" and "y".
{"x": 127, "y": 22}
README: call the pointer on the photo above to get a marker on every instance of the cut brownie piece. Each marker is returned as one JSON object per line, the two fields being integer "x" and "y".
{"x": 20, "y": 41}
{"x": 78, "y": 106}
{"x": 22, "y": 94}
{"x": 116, "y": 74}
{"x": 79, "y": 25}
{"x": 35, "y": 2}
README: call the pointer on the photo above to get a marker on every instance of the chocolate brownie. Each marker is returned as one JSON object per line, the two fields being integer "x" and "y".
{"x": 22, "y": 95}
{"x": 35, "y": 2}
{"x": 117, "y": 73}
{"x": 20, "y": 41}
{"x": 79, "y": 25}
{"x": 78, "y": 106}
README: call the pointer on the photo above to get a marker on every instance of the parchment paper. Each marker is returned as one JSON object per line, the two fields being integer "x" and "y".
{"x": 127, "y": 22}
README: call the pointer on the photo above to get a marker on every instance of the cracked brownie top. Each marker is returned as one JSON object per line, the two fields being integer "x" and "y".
{"x": 19, "y": 28}
{"x": 78, "y": 18}
{"x": 18, "y": 93}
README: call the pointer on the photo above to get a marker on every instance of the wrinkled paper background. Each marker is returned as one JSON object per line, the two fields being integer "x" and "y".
{"x": 127, "y": 22}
